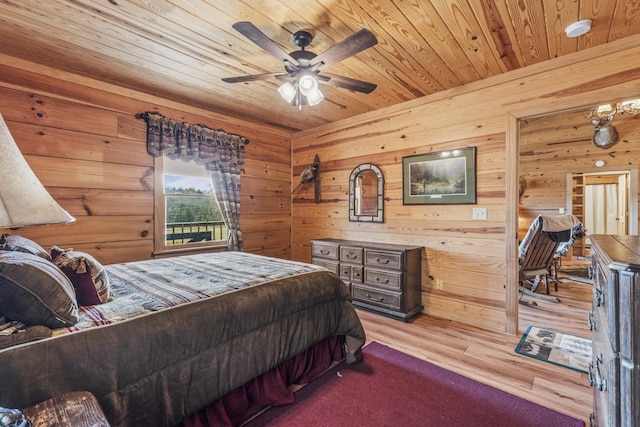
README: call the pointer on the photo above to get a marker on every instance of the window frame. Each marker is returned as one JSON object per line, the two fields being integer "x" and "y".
{"x": 159, "y": 219}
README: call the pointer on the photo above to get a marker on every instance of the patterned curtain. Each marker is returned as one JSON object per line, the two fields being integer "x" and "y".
{"x": 222, "y": 154}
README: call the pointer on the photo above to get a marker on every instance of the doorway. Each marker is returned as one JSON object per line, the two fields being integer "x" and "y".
{"x": 553, "y": 158}
{"x": 604, "y": 202}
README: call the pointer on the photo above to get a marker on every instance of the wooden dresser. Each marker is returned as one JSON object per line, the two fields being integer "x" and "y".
{"x": 615, "y": 322}
{"x": 382, "y": 278}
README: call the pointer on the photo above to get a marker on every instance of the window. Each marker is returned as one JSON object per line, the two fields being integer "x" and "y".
{"x": 187, "y": 212}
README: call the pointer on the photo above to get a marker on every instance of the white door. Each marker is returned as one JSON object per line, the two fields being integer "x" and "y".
{"x": 623, "y": 191}
{"x": 601, "y": 208}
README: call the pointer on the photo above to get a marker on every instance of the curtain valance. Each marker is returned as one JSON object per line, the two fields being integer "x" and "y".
{"x": 179, "y": 140}
{"x": 221, "y": 153}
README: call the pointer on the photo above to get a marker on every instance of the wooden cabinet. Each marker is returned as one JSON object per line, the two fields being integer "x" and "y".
{"x": 615, "y": 322}
{"x": 382, "y": 278}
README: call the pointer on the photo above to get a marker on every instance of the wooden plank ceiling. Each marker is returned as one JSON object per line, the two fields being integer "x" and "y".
{"x": 180, "y": 49}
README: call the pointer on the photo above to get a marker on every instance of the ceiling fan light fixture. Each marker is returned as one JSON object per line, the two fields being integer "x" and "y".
{"x": 287, "y": 91}
{"x": 314, "y": 97}
{"x": 307, "y": 84}
{"x": 578, "y": 28}
{"x": 304, "y": 67}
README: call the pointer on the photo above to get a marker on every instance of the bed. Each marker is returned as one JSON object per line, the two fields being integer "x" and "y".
{"x": 176, "y": 334}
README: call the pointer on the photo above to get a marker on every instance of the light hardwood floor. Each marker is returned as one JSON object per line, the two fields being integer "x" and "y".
{"x": 489, "y": 357}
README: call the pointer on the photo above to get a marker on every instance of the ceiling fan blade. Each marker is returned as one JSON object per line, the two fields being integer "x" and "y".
{"x": 346, "y": 82}
{"x": 252, "y": 32}
{"x": 254, "y": 77}
{"x": 358, "y": 42}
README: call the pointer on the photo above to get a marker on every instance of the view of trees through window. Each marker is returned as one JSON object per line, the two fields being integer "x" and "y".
{"x": 192, "y": 213}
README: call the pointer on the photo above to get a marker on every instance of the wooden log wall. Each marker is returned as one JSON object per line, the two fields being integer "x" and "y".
{"x": 84, "y": 143}
{"x": 476, "y": 260}
{"x": 556, "y": 145}
{"x": 105, "y": 182}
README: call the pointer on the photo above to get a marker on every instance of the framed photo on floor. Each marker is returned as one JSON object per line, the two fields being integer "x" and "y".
{"x": 444, "y": 177}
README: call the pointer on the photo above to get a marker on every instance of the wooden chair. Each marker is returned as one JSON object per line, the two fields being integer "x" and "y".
{"x": 537, "y": 250}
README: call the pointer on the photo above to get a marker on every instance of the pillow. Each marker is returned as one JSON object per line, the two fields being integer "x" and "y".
{"x": 35, "y": 292}
{"x": 10, "y": 242}
{"x": 88, "y": 276}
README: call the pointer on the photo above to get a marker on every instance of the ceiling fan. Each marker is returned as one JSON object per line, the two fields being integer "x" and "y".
{"x": 303, "y": 68}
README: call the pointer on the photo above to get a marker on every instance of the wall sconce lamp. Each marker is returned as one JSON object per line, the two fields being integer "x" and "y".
{"x": 23, "y": 199}
{"x": 606, "y": 135}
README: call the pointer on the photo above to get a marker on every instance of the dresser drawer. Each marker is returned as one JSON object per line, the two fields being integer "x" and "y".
{"x": 599, "y": 325}
{"x": 325, "y": 250}
{"x": 603, "y": 377}
{"x": 382, "y": 278}
{"x": 627, "y": 309}
{"x": 351, "y": 254}
{"x": 387, "y": 299}
{"x": 327, "y": 263}
{"x": 351, "y": 272}
{"x": 605, "y": 300}
{"x": 615, "y": 368}
{"x": 378, "y": 258}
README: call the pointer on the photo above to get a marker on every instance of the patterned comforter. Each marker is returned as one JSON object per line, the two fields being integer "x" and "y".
{"x": 181, "y": 332}
{"x": 146, "y": 286}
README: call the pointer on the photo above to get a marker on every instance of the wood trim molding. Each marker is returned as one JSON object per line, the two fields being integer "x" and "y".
{"x": 511, "y": 225}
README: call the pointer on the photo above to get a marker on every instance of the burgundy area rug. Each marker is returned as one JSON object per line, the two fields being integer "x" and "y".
{"x": 390, "y": 388}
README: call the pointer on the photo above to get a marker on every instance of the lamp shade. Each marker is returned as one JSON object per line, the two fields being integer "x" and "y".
{"x": 314, "y": 97}
{"x": 287, "y": 91}
{"x": 23, "y": 199}
{"x": 308, "y": 84}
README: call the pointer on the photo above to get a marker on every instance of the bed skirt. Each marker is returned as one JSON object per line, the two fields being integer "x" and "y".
{"x": 269, "y": 389}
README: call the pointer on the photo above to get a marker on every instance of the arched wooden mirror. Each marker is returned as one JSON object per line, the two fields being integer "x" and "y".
{"x": 366, "y": 194}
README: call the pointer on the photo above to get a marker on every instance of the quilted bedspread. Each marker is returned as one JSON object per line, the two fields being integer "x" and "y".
{"x": 146, "y": 286}
{"x": 181, "y": 332}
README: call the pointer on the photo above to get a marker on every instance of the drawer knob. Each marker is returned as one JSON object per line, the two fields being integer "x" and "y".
{"x": 379, "y": 299}
{"x": 382, "y": 261}
{"x": 590, "y": 373}
{"x": 592, "y": 324}
{"x": 595, "y": 379}
{"x": 324, "y": 252}
{"x": 379, "y": 280}
{"x": 598, "y": 297}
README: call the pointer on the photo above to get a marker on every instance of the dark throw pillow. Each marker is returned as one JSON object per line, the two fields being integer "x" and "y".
{"x": 11, "y": 242}
{"x": 35, "y": 291}
{"x": 88, "y": 276}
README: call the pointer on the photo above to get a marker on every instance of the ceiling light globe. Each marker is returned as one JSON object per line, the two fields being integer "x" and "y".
{"x": 315, "y": 97}
{"x": 287, "y": 91}
{"x": 308, "y": 84}
{"x": 578, "y": 28}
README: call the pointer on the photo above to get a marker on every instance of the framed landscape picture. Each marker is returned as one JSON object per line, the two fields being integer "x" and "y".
{"x": 445, "y": 177}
